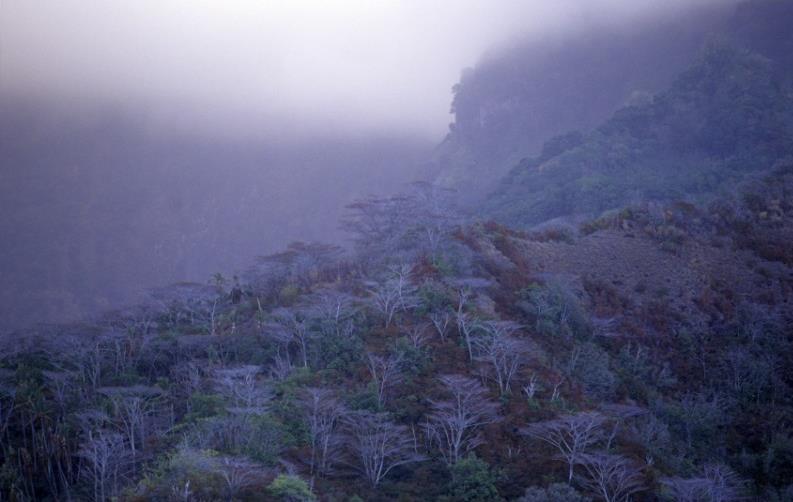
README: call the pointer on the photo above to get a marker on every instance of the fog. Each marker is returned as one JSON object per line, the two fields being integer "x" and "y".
{"x": 266, "y": 66}
{"x": 148, "y": 142}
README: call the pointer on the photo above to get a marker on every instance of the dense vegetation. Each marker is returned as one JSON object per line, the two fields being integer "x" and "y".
{"x": 643, "y": 353}
{"x": 438, "y": 362}
{"x": 517, "y": 98}
{"x": 726, "y": 118}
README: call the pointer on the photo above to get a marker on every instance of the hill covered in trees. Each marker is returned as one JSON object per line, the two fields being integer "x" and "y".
{"x": 517, "y": 98}
{"x": 645, "y": 357}
{"x": 728, "y": 117}
{"x": 638, "y": 349}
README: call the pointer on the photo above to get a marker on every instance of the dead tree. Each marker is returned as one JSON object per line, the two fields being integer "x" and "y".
{"x": 281, "y": 368}
{"x": 323, "y": 413}
{"x": 531, "y": 388}
{"x": 717, "y": 483}
{"x": 104, "y": 457}
{"x": 504, "y": 353}
{"x": 132, "y": 409}
{"x": 612, "y": 477}
{"x": 619, "y": 415}
{"x": 440, "y": 321}
{"x": 465, "y": 327}
{"x": 385, "y": 373}
{"x": 188, "y": 377}
{"x": 395, "y": 294}
{"x": 188, "y": 303}
{"x": 454, "y": 424}
{"x": 571, "y": 435}
{"x": 417, "y": 333}
{"x": 379, "y": 445}
{"x": 380, "y": 226}
{"x": 7, "y": 405}
{"x": 241, "y": 386}
{"x": 238, "y": 474}
{"x": 433, "y": 214}
{"x": 291, "y": 327}
{"x": 466, "y": 322}
{"x": 334, "y": 312}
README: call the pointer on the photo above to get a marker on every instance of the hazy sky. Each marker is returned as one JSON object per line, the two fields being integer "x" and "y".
{"x": 235, "y": 64}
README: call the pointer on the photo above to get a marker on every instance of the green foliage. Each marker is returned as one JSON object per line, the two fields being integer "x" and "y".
{"x": 590, "y": 365}
{"x": 268, "y": 438}
{"x": 433, "y": 297}
{"x": 554, "y": 310}
{"x": 472, "y": 481}
{"x": 290, "y": 489}
{"x": 205, "y": 405}
{"x": 339, "y": 353}
{"x": 186, "y": 469}
{"x": 642, "y": 375}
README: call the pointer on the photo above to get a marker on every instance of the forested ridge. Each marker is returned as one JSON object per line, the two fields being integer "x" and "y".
{"x": 613, "y": 322}
{"x": 726, "y": 118}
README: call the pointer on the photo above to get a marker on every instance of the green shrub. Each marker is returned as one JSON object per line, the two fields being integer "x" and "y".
{"x": 472, "y": 481}
{"x": 290, "y": 489}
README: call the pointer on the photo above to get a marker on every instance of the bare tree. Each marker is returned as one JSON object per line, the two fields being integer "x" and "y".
{"x": 417, "y": 333}
{"x": 7, "y": 405}
{"x": 385, "y": 373}
{"x": 433, "y": 214}
{"x": 613, "y": 477}
{"x": 380, "y": 225}
{"x": 241, "y": 386}
{"x": 379, "y": 445}
{"x": 531, "y": 388}
{"x": 105, "y": 457}
{"x": 465, "y": 327}
{"x": 132, "y": 408}
{"x": 454, "y": 424}
{"x": 301, "y": 263}
{"x": 466, "y": 322}
{"x": 93, "y": 363}
{"x": 238, "y": 474}
{"x": 395, "y": 294}
{"x": 503, "y": 352}
{"x": 291, "y": 327}
{"x": 62, "y": 384}
{"x": 440, "y": 321}
{"x": 619, "y": 414}
{"x": 334, "y": 311}
{"x": 188, "y": 302}
{"x": 717, "y": 483}
{"x": 188, "y": 376}
{"x": 572, "y": 435}
{"x": 281, "y": 368}
{"x": 386, "y": 226}
{"x": 323, "y": 414}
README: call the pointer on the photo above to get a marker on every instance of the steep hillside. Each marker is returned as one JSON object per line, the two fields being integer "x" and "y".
{"x": 727, "y": 117}
{"x": 658, "y": 336}
{"x": 514, "y": 100}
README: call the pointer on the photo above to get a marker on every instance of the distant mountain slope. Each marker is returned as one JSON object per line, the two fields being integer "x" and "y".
{"x": 725, "y": 118}
{"x": 764, "y": 27}
{"x": 514, "y": 100}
